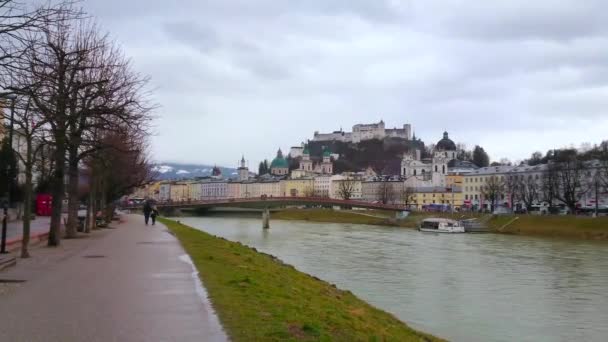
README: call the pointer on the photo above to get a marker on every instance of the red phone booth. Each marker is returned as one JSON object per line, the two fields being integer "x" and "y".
{"x": 44, "y": 203}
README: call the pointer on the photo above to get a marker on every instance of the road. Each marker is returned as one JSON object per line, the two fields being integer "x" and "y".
{"x": 125, "y": 284}
{"x": 14, "y": 229}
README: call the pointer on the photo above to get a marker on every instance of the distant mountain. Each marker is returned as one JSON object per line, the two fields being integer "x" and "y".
{"x": 177, "y": 171}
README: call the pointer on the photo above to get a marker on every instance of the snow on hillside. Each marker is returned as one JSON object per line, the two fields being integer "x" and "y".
{"x": 176, "y": 171}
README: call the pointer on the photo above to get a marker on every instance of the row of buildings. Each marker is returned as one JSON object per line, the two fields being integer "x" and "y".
{"x": 439, "y": 182}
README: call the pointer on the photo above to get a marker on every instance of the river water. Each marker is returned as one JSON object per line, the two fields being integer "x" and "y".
{"x": 463, "y": 287}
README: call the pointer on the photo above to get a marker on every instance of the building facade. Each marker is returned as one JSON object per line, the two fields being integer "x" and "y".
{"x": 418, "y": 172}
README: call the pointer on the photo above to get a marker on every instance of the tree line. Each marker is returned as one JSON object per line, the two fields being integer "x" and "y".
{"x": 80, "y": 108}
{"x": 564, "y": 176}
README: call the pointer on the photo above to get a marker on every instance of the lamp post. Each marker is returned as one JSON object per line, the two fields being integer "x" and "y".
{"x": 8, "y": 192}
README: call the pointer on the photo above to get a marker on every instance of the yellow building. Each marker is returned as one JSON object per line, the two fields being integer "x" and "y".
{"x": 270, "y": 189}
{"x": 437, "y": 195}
{"x": 179, "y": 192}
{"x": 194, "y": 191}
{"x": 301, "y": 187}
{"x": 456, "y": 179}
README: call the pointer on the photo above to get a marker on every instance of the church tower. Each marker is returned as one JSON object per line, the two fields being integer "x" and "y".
{"x": 306, "y": 163}
{"x": 243, "y": 170}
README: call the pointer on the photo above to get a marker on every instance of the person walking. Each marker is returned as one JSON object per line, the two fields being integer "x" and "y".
{"x": 147, "y": 211}
{"x": 153, "y": 214}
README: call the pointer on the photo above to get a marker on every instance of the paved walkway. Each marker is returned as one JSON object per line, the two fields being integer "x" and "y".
{"x": 124, "y": 284}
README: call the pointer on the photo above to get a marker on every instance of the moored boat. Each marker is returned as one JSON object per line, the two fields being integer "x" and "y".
{"x": 441, "y": 225}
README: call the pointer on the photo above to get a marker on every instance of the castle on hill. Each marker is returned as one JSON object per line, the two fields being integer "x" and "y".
{"x": 363, "y": 132}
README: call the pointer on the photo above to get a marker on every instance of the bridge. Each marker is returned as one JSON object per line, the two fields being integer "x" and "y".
{"x": 265, "y": 202}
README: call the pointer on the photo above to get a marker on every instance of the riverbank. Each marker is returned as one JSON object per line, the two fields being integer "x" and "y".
{"x": 372, "y": 217}
{"x": 257, "y": 297}
{"x": 571, "y": 227}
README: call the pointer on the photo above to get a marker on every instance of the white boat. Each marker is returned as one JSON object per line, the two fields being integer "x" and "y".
{"x": 441, "y": 225}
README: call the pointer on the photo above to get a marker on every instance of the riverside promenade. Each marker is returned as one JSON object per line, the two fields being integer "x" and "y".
{"x": 131, "y": 283}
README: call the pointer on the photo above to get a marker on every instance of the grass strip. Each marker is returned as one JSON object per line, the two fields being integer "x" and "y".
{"x": 259, "y": 298}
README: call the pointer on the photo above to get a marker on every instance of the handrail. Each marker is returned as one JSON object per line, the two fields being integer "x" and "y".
{"x": 315, "y": 200}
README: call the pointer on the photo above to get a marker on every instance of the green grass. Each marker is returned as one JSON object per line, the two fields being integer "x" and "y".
{"x": 258, "y": 298}
{"x": 329, "y": 215}
{"x": 553, "y": 226}
{"x": 359, "y": 216}
{"x": 572, "y": 227}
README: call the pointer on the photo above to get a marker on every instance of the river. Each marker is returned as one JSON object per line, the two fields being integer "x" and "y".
{"x": 463, "y": 287}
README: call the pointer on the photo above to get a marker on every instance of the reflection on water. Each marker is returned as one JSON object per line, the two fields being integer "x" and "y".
{"x": 464, "y": 287}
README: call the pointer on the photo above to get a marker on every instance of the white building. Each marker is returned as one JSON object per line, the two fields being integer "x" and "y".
{"x": 347, "y": 181}
{"x": 322, "y": 185}
{"x": 429, "y": 173}
{"x": 363, "y": 132}
{"x": 233, "y": 189}
{"x": 214, "y": 189}
{"x": 164, "y": 192}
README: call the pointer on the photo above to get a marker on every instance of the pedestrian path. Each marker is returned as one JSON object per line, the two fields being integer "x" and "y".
{"x": 125, "y": 284}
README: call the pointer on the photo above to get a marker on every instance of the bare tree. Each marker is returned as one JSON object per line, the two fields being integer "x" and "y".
{"x": 125, "y": 151}
{"x": 346, "y": 188}
{"x": 570, "y": 181}
{"x": 408, "y": 196}
{"x": 385, "y": 192}
{"x": 493, "y": 189}
{"x": 512, "y": 186}
{"x": 528, "y": 190}
{"x": 550, "y": 185}
{"x": 28, "y": 124}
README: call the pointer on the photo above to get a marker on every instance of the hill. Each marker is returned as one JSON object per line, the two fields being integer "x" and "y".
{"x": 382, "y": 155}
{"x": 177, "y": 171}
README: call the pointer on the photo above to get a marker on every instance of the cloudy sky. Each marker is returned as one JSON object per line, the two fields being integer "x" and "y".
{"x": 246, "y": 77}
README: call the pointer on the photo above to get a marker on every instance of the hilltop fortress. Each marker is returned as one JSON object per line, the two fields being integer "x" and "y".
{"x": 363, "y": 132}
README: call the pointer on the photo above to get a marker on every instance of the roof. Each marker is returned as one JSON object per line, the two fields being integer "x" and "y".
{"x": 445, "y": 144}
{"x": 491, "y": 170}
{"x": 279, "y": 162}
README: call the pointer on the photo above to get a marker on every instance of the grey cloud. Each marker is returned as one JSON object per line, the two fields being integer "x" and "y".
{"x": 252, "y": 76}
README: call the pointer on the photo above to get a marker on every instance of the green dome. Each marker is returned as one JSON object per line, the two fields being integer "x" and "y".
{"x": 326, "y": 153}
{"x": 279, "y": 161}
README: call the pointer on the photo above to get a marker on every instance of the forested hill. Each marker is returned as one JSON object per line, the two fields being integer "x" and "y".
{"x": 381, "y": 155}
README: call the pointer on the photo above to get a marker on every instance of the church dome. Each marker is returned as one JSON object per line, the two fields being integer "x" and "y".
{"x": 279, "y": 161}
{"x": 445, "y": 144}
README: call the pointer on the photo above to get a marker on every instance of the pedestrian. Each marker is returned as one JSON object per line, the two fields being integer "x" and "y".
{"x": 147, "y": 211}
{"x": 153, "y": 214}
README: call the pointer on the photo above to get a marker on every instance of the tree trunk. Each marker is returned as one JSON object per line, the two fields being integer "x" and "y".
{"x": 27, "y": 207}
{"x": 57, "y": 192}
{"x": 73, "y": 201}
{"x": 89, "y": 220}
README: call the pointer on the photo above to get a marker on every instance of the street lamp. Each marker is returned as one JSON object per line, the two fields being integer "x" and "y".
{"x": 7, "y": 201}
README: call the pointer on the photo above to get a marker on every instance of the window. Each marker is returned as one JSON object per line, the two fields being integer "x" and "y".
{"x": 414, "y": 172}
{"x": 466, "y": 197}
{"x": 475, "y": 196}
{"x": 436, "y": 170}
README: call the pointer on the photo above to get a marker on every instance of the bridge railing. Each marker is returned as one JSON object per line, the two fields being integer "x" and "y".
{"x": 269, "y": 199}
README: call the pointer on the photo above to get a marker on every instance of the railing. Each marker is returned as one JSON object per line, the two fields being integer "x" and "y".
{"x": 306, "y": 200}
